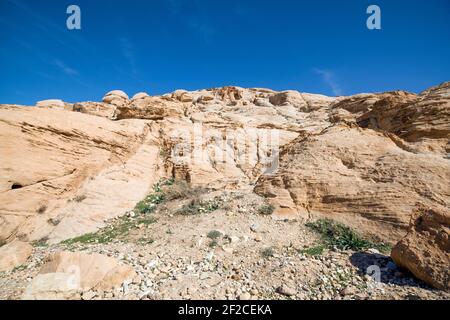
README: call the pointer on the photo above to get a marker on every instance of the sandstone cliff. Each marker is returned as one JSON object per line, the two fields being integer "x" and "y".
{"x": 366, "y": 160}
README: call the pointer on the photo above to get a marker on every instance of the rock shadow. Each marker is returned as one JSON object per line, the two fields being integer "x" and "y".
{"x": 383, "y": 269}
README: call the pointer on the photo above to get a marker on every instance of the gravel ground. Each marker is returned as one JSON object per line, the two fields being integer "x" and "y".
{"x": 248, "y": 256}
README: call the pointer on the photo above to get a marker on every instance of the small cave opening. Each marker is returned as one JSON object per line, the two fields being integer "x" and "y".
{"x": 16, "y": 185}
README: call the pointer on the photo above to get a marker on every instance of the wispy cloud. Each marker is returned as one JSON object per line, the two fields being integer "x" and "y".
{"x": 330, "y": 79}
{"x": 129, "y": 54}
{"x": 65, "y": 68}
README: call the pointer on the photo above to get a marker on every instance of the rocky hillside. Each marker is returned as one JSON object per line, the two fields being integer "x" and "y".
{"x": 214, "y": 184}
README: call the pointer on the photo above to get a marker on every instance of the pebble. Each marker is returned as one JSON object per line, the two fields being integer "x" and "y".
{"x": 346, "y": 291}
{"x": 286, "y": 290}
{"x": 254, "y": 292}
{"x": 89, "y": 295}
{"x": 245, "y": 296}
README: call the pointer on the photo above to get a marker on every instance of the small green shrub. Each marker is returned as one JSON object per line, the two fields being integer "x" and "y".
{"x": 143, "y": 207}
{"x": 148, "y": 205}
{"x": 213, "y": 244}
{"x": 144, "y": 241}
{"x": 214, "y": 234}
{"x": 41, "y": 242}
{"x": 266, "y": 209}
{"x": 314, "y": 251}
{"x": 180, "y": 190}
{"x": 268, "y": 253}
{"x": 209, "y": 206}
{"x": 337, "y": 235}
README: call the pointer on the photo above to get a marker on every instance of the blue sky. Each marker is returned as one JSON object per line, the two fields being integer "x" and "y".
{"x": 159, "y": 46}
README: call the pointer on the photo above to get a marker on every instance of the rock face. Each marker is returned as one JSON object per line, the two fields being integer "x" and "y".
{"x": 14, "y": 254}
{"x": 425, "y": 251}
{"x": 67, "y": 273}
{"x": 73, "y": 169}
{"x": 369, "y": 168}
{"x": 357, "y": 176}
{"x": 365, "y": 160}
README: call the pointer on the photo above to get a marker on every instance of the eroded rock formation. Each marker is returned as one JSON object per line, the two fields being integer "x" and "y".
{"x": 366, "y": 160}
{"x": 425, "y": 250}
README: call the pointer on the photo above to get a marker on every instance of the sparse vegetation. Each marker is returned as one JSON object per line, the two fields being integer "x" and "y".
{"x": 42, "y": 209}
{"x": 266, "y": 209}
{"x": 19, "y": 268}
{"x": 268, "y": 253}
{"x": 214, "y": 234}
{"x": 79, "y": 198}
{"x": 337, "y": 235}
{"x": 162, "y": 191}
{"x": 314, "y": 251}
{"x": 213, "y": 244}
{"x": 144, "y": 241}
{"x": 164, "y": 153}
{"x": 197, "y": 207}
{"x": 41, "y": 242}
{"x": 112, "y": 232}
{"x": 148, "y": 205}
{"x": 181, "y": 190}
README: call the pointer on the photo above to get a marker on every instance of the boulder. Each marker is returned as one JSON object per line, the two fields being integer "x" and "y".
{"x": 140, "y": 95}
{"x": 94, "y": 271}
{"x": 118, "y": 93}
{"x": 425, "y": 251}
{"x": 116, "y": 97}
{"x": 14, "y": 254}
{"x": 52, "y": 103}
{"x": 52, "y": 286}
{"x": 182, "y": 96}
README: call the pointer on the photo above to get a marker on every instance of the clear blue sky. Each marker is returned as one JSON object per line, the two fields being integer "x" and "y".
{"x": 162, "y": 45}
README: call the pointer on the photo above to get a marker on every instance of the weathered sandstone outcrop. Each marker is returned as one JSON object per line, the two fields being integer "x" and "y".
{"x": 14, "y": 254}
{"x": 365, "y": 160}
{"x": 53, "y": 104}
{"x": 140, "y": 95}
{"x": 116, "y": 97}
{"x": 66, "y": 273}
{"x": 96, "y": 109}
{"x": 63, "y": 173}
{"x": 425, "y": 251}
{"x": 149, "y": 108}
